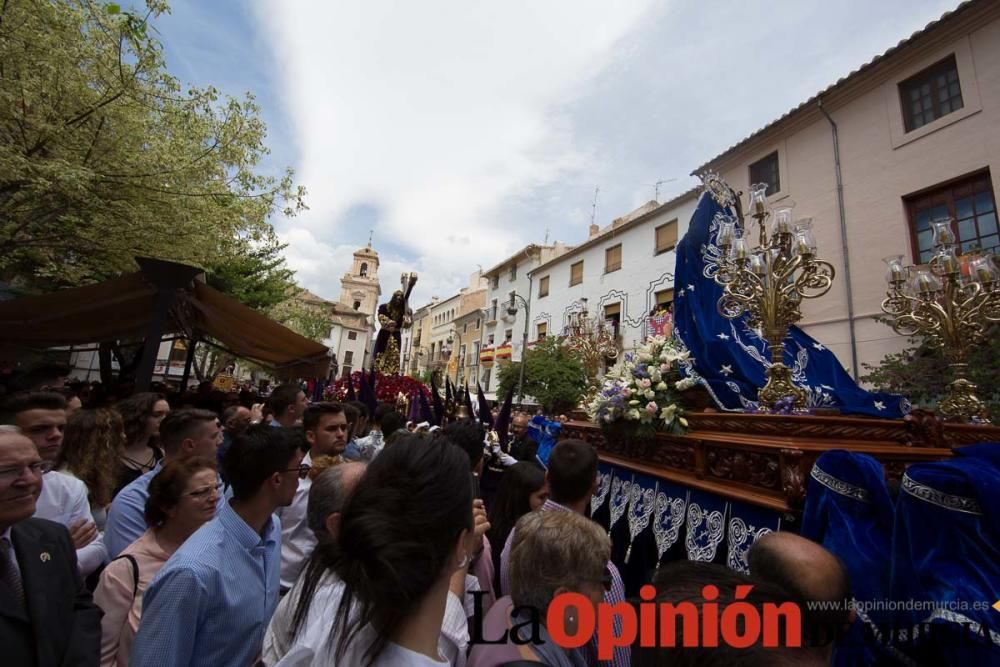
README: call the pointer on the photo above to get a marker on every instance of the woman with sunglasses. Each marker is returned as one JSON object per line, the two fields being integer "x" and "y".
{"x": 181, "y": 499}
{"x": 552, "y": 553}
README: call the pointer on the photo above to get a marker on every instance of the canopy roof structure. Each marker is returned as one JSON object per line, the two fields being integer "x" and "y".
{"x": 161, "y": 298}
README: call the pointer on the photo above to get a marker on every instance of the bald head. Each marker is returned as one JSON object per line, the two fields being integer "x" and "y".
{"x": 808, "y": 571}
{"x": 328, "y": 495}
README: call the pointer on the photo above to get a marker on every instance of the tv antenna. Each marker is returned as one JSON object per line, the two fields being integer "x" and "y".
{"x": 593, "y": 207}
{"x": 656, "y": 187}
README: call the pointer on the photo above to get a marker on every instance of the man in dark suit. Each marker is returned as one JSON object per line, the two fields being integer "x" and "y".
{"x": 47, "y": 617}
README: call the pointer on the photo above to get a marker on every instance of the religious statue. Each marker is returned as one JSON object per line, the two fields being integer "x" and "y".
{"x": 393, "y": 317}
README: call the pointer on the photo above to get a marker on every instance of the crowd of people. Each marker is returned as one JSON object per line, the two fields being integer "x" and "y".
{"x": 160, "y": 530}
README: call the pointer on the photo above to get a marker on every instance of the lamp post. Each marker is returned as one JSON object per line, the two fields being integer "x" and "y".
{"x": 512, "y": 311}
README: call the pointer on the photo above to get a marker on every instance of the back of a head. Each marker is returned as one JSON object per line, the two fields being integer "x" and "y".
{"x": 399, "y": 530}
{"x": 390, "y": 422}
{"x": 179, "y": 425}
{"x": 283, "y": 397}
{"x": 257, "y": 453}
{"x": 513, "y": 498}
{"x": 470, "y": 436}
{"x": 329, "y": 493}
{"x": 41, "y": 376}
{"x": 684, "y": 582}
{"x": 809, "y": 572}
{"x": 361, "y": 408}
{"x": 572, "y": 471}
{"x": 30, "y": 400}
{"x": 553, "y": 550}
{"x": 381, "y": 410}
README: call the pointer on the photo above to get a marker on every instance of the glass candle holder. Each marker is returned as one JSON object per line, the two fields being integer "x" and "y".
{"x": 726, "y": 229}
{"x": 943, "y": 234}
{"x": 758, "y": 200}
{"x": 895, "y": 272}
{"x": 782, "y": 220}
{"x": 740, "y": 251}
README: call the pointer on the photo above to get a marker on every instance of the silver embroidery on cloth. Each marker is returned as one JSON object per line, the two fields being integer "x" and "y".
{"x": 941, "y": 499}
{"x": 704, "y": 533}
{"x": 640, "y": 510}
{"x": 741, "y": 538}
{"x": 621, "y": 491}
{"x": 840, "y": 486}
{"x": 601, "y": 495}
{"x": 670, "y": 513}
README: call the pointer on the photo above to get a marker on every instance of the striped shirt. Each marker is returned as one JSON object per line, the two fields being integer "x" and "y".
{"x": 211, "y": 602}
{"x": 623, "y": 655}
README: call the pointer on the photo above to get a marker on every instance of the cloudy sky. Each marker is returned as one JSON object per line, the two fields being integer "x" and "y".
{"x": 457, "y": 132}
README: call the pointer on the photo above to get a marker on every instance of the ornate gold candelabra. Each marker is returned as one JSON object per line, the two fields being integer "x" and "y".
{"x": 767, "y": 281}
{"x": 950, "y": 302}
{"x": 592, "y": 341}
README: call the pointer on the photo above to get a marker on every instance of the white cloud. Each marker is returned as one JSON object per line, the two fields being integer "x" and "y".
{"x": 463, "y": 130}
{"x": 435, "y": 111}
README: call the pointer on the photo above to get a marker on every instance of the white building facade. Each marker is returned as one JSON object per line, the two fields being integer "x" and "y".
{"x": 620, "y": 274}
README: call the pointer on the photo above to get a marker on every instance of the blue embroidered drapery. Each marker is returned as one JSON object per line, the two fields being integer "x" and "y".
{"x": 729, "y": 359}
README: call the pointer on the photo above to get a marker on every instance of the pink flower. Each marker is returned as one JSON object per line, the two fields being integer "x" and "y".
{"x": 645, "y": 383}
{"x": 652, "y": 408}
{"x": 626, "y": 392}
{"x": 664, "y": 368}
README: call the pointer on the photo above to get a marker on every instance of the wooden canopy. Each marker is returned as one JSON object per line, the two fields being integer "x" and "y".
{"x": 161, "y": 298}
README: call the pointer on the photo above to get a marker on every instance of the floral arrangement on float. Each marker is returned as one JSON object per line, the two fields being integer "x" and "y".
{"x": 387, "y": 387}
{"x": 639, "y": 395}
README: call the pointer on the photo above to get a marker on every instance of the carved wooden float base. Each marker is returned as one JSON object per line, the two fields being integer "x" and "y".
{"x": 765, "y": 459}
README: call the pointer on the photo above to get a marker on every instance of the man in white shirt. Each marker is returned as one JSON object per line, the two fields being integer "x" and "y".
{"x": 41, "y": 415}
{"x": 325, "y": 425}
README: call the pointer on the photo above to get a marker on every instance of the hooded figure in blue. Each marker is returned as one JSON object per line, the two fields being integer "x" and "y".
{"x": 729, "y": 359}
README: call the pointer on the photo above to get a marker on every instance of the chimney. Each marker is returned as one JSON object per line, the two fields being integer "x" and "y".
{"x": 594, "y": 231}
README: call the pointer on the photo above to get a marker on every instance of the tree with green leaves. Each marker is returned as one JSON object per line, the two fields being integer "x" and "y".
{"x": 920, "y": 372}
{"x": 105, "y": 156}
{"x": 553, "y": 376}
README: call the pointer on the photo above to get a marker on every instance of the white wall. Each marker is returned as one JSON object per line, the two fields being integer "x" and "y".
{"x": 634, "y": 285}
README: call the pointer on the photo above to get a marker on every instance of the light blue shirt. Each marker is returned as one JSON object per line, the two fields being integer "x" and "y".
{"x": 127, "y": 516}
{"x": 211, "y": 602}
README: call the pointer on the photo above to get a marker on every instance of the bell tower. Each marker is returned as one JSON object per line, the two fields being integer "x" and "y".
{"x": 359, "y": 287}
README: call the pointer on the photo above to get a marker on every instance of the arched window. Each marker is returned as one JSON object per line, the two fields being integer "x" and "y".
{"x": 357, "y": 305}
{"x": 364, "y": 269}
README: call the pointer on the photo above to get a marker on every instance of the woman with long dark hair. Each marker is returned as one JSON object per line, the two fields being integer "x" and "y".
{"x": 142, "y": 414}
{"x": 522, "y": 489}
{"x": 92, "y": 445}
{"x": 387, "y": 590}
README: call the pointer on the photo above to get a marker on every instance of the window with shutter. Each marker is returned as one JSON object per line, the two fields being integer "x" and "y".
{"x": 613, "y": 258}
{"x": 576, "y": 273}
{"x": 666, "y": 237}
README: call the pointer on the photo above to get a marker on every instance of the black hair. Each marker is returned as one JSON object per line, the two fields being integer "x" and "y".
{"x": 572, "y": 470}
{"x": 390, "y": 422}
{"x": 352, "y": 419}
{"x": 512, "y": 501}
{"x": 31, "y": 400}
{"x": 360, "y": 407}
{"x": 283, "y": 396}
{"x": 181, "y": 424}
{"x": 397, "y": 535}
{"x": 316, "y": 411}
{"x": 684, "y": 581}
{"x": 469, "y": 435}
{"x": 381, "y": 410}
{"x": 36, "y": 377}
{"x": 134, "y": 411}
{"x": 259, "y": 452}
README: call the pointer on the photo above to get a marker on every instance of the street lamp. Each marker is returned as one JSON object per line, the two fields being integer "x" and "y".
{"x": 512, "y": 311}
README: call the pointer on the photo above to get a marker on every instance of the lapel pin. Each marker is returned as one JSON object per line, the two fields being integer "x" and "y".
{"x": 45, "y": 557}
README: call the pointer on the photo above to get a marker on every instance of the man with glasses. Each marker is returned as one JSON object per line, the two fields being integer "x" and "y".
{"x": 326, "y": 429}
{"x": 211, "y": 602}
{"x": 41, "y": 416}
{"x": 47, "y": 617}
{"x": 183, "y": 434}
